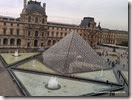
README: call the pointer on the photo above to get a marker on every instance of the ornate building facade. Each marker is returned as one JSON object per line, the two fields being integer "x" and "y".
{"x": 31, "y": 31}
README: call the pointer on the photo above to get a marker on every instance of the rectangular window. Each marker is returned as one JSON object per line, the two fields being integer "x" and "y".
{"x": 57, "y": 34}
{"x": 61, "y": 34}
{"x": 17, "y": 25}
{"x": 42, "y": 34}
{"x": 17, "y": 32}
{"x": 41, "y": 44}
{"x": 28, "y": 33}
{"x": 28, "y": 44}
{"x": 48, "y": 33}
{"x": 42, "y": 21}
{"x": 4, "y": 31}
{"x": 4, "y": 23}
{"x": 36, "y": 20}
{"x": 11, "y": 31}
{"x": 52, "y": 34}
{"x": 11, "y": 24}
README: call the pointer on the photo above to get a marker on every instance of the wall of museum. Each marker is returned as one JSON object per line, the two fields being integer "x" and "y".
{"x": 48, "y": 35}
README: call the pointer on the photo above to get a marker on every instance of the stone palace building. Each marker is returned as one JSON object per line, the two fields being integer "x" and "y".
{"x": 31, "y": 31}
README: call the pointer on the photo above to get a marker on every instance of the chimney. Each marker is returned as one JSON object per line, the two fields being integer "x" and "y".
{"x": 44, "y": 6}
{"x": 25, "y": 2}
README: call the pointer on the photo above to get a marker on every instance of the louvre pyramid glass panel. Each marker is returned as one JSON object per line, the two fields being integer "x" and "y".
{"x": 73, "y": 54}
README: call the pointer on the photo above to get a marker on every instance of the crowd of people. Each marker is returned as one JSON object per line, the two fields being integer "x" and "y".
{"x": 119, "y": 56}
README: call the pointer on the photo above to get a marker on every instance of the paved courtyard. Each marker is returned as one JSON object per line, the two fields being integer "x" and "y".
{"x": 123, "y": 66}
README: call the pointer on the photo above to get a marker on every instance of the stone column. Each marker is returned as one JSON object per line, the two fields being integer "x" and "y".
{"x": 9, "y": 42}
{"x": 1, "y": 42}
{"x": 15, "y": 42}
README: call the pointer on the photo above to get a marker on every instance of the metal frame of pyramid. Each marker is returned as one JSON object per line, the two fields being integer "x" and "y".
{"x": 73, "y": 54}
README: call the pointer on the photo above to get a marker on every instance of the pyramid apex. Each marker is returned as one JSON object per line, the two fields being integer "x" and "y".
{"x": 73, "y": 54}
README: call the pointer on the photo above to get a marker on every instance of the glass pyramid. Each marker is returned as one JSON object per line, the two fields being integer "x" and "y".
{"x": 73, "y": 54}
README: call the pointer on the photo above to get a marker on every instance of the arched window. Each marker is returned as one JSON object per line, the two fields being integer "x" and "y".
{"x": 35, "y": 43}
{"x": 29, "y": 18}
{"x": 36, "y": 33}
{"x": 18, "y": 42}
{"x": 36, "y": 19}
{"x": 49, "y": 42}
{"x": 12, "y": 41}
{"x": 5, "y": 41}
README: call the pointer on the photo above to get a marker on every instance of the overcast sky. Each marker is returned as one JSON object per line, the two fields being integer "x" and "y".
{"x": 112, "y": 14}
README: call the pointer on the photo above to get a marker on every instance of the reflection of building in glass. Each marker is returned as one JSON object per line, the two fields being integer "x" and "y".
{"x": 72, "y": 55}
{"x": 32, "y": 31}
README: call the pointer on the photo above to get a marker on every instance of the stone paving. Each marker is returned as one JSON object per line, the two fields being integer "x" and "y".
{"x": 113, "y": 58}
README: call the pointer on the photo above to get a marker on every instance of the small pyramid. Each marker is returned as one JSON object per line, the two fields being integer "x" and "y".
{"x": 73, "y": 54}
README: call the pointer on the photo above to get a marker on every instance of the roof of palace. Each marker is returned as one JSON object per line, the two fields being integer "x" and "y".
{"x": 34, "y": 6}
